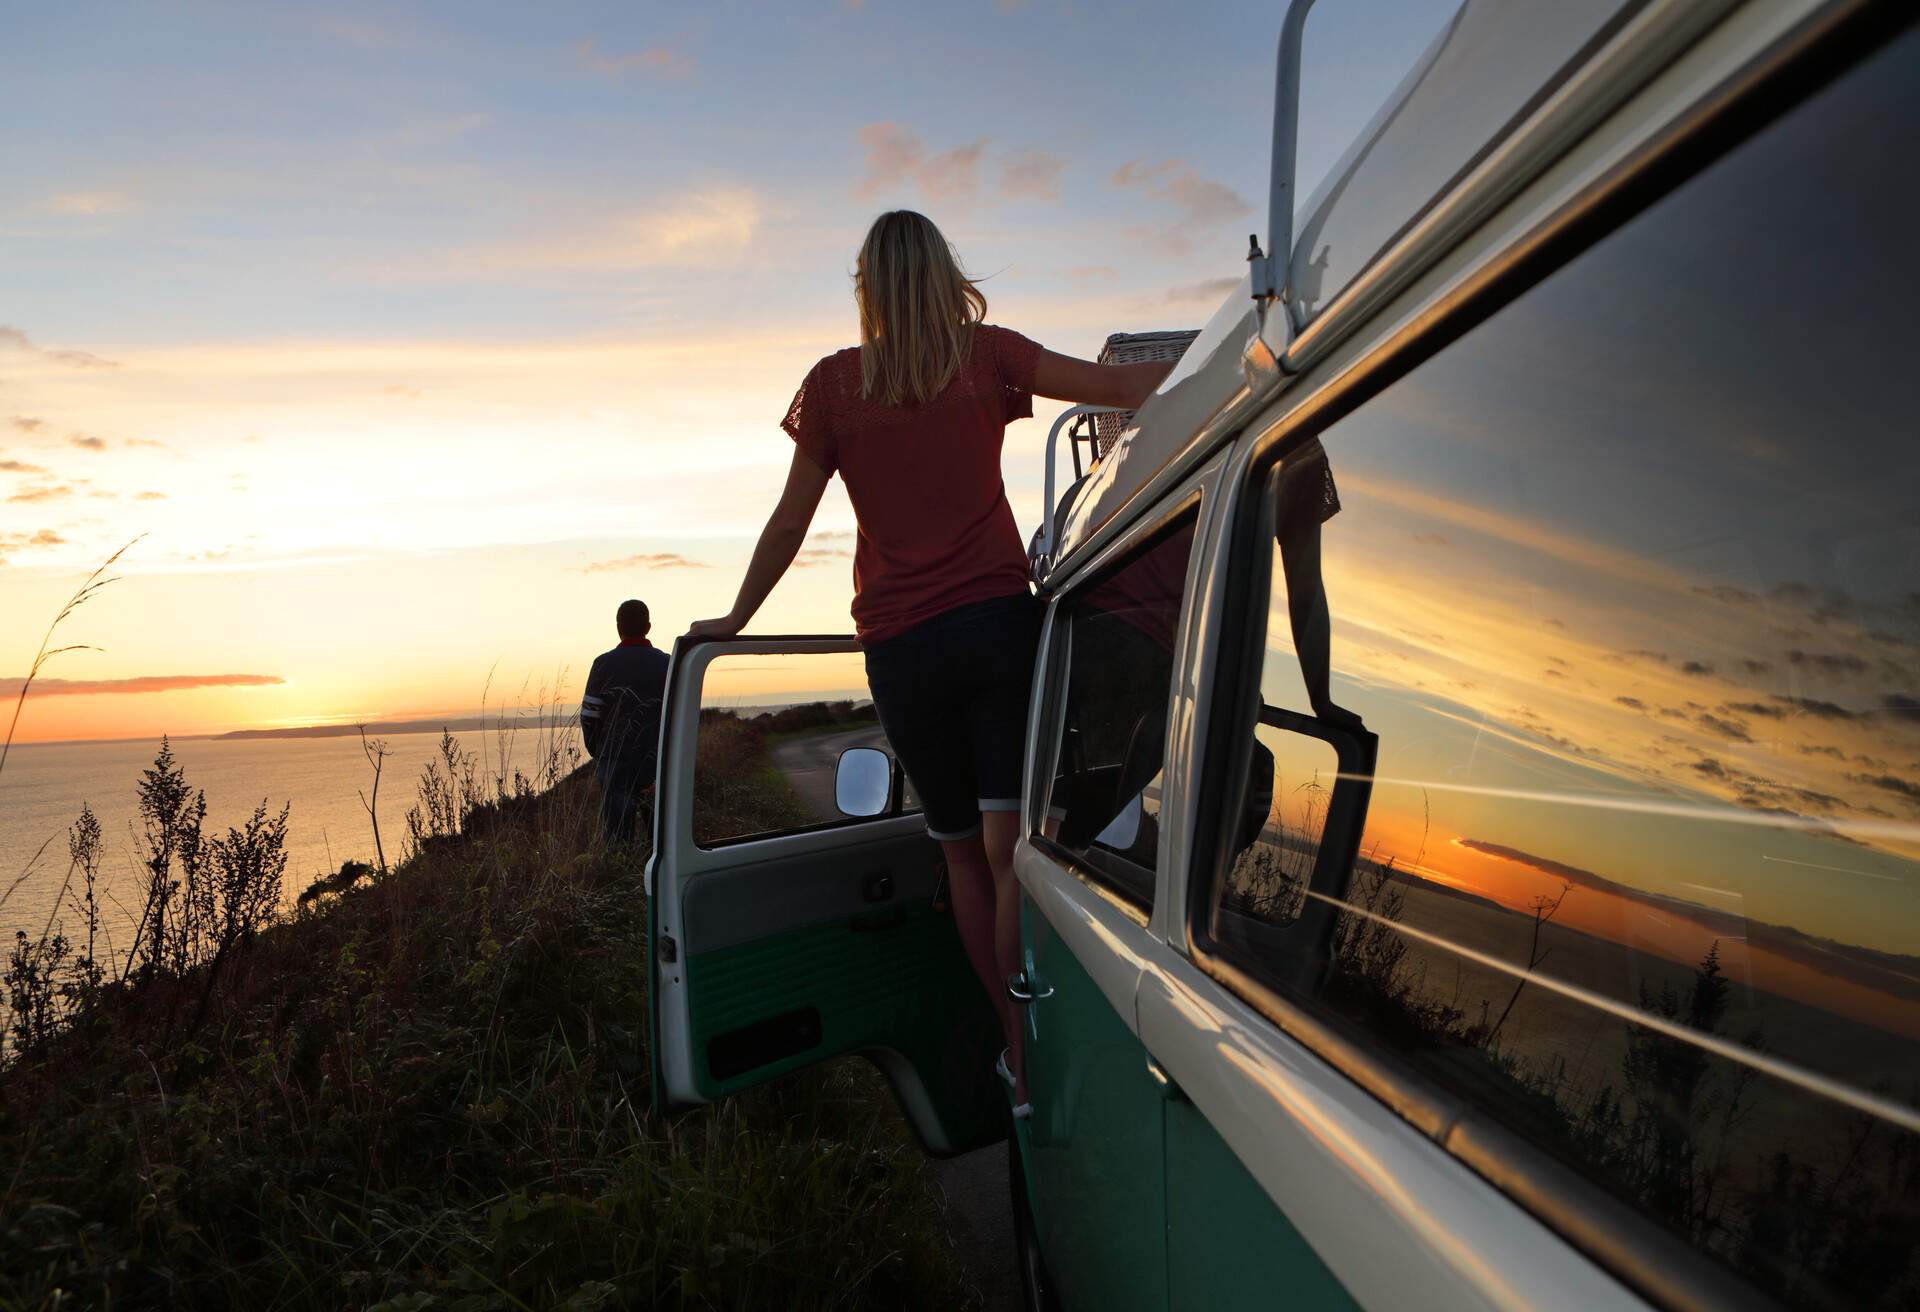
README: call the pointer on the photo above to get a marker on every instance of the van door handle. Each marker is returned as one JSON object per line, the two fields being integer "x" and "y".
{"x": 1022, "y": 989}
{"x": 1169, "y": 1090}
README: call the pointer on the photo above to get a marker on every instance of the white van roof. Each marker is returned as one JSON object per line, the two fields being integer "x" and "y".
{"x": 1486, "y": 70}
{"x": 1483, "y": 71}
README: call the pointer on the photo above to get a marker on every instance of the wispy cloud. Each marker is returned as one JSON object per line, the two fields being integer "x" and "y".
{"x": 13, "y": 339}
{"x": 1905, "y": 789}
{"x": 896, "y": 156}
{"x": 20, "y": 467}
{"x": 45, "y": 537}
{"x": 46, "y": 492}
{"x": 1837, "y": 665}
{"x": 86, "y": 204}
{"x": 26, "y": 423}
{"x": 1206, "y": 292}
{"x": 1196, "y": 201}
{"x": 1031, "y": 173}
{"x": 357, "y": 31}
{"x": 808, "y": 556}
{"x": 952, "y": 174}
{"x": 656, "y": 61}
{"x": 145, "y": 683}
{"x": 648, "y": 560}
{"x": 87, "y": 441}
{"x": 697, "y": 230}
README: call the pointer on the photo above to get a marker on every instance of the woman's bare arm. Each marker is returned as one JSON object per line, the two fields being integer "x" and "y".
{"x": 1127, "y": 386}
{"x": 786, "y": 529}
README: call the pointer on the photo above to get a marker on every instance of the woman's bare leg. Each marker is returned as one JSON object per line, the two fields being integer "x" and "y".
{"x": 1000, "y": 830}
{"x": 1312, "y": 626}
{"x": 971, "y": 887}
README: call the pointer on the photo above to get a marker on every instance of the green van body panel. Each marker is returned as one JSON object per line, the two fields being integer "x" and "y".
{"x": 1228, "y": 1246}
{"x": 897, "y": 980}
{"x": 1094, "y": 1151}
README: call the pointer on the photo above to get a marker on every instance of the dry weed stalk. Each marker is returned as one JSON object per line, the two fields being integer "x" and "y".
{"x": 94, "y": 583}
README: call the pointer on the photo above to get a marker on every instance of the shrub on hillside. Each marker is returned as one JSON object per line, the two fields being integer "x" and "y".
{"x": 429, "y": 1090}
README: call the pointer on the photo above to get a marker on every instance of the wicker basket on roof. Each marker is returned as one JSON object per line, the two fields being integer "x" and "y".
{"x": 1134, "y": 348}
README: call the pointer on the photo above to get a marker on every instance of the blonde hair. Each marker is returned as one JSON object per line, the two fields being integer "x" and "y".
{"x": 917, "y": 310}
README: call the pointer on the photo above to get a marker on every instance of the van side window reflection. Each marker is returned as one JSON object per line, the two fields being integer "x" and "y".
{"x": 771, "y": 732}
{"x": 1295, "y": 769}
{"x": 1116, "y": 637}
{"x": 1627, "y": 583}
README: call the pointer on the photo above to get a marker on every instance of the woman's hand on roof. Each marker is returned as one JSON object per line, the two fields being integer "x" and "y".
{"x": 724, "y": 627}
{"x": 1127, "y": 386}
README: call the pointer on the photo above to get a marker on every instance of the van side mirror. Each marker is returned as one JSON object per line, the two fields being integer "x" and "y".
{"x": 863, "y": 782}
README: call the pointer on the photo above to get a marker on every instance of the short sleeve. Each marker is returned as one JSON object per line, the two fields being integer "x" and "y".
{"x": 809, "y": 422}
{"x": 1015, "y": 358}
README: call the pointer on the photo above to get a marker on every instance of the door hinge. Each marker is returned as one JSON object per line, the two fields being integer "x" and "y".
{"x": 669, "y": 950}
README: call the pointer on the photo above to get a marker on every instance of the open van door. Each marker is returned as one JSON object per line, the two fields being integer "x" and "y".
{"x": 786, "y": 931}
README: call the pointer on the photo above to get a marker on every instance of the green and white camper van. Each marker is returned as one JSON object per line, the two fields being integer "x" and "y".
{"x": 1559, "y": 946}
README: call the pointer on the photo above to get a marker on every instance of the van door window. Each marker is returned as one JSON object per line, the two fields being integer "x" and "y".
{"x": 772, "y": 729}
{"x": 1113, "y": 654}
{"x": 1627, "y": 582}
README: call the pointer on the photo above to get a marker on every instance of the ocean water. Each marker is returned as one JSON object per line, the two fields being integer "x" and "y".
{"x": 43, "y": 787}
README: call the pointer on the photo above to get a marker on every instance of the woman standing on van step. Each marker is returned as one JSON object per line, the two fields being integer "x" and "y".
{"x": 913, "y": 420}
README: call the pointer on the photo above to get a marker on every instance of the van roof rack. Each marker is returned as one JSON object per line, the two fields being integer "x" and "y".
{"x": 1098, "y": 427}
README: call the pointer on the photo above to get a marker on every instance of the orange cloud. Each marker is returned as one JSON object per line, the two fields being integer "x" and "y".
{"x": 819, "y": 556}
{"x": 896, "y": 154}
{"x": 46, "y": 493}
{"x": 1197, "y": 201}
{"x": 145, "y": 683}
{"x": 653, "y": 560}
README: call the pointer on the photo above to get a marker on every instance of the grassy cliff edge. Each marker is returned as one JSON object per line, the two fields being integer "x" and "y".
{"x": 429, "y": 1090}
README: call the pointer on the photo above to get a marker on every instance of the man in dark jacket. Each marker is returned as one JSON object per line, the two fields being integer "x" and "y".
{"x": 620, "y": 718}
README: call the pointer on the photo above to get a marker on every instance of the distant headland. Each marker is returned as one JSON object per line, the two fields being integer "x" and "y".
{"x": 462, "y": 724}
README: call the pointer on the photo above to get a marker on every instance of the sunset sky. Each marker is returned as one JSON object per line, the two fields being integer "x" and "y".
{"x": 412, "y": 339}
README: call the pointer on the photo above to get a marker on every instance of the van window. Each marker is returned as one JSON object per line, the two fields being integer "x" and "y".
{"x": 1625, "y": 584}
{"x": 1113, "y": 646}
{"x": 772, "y": 728}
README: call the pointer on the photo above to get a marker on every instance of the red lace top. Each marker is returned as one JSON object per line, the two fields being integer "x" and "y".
{"x": 936, "y": 531}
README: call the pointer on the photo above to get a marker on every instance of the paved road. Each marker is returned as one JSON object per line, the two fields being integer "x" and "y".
{"x": 808, "y": 762}
{"x": 980, "y": 1221}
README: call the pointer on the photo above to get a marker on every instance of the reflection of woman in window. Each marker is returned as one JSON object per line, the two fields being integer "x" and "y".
{"x": 1117, "y": 706}
{"x": 912, "y": 420}
{"x": 1307, "y": 499}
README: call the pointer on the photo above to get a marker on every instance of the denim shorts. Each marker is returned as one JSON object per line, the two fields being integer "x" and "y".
{"x": 952, "y": 696}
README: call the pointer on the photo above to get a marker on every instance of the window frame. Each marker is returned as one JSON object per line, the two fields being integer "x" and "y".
{"x": 1164, "y": 520}
{"x": 1646, "y": 1257}
{"x": 896, "y": 808}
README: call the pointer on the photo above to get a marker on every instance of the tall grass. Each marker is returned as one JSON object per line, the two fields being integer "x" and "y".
{"x": 430, "y": 1090}
{"x": 422, "y": 1089}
